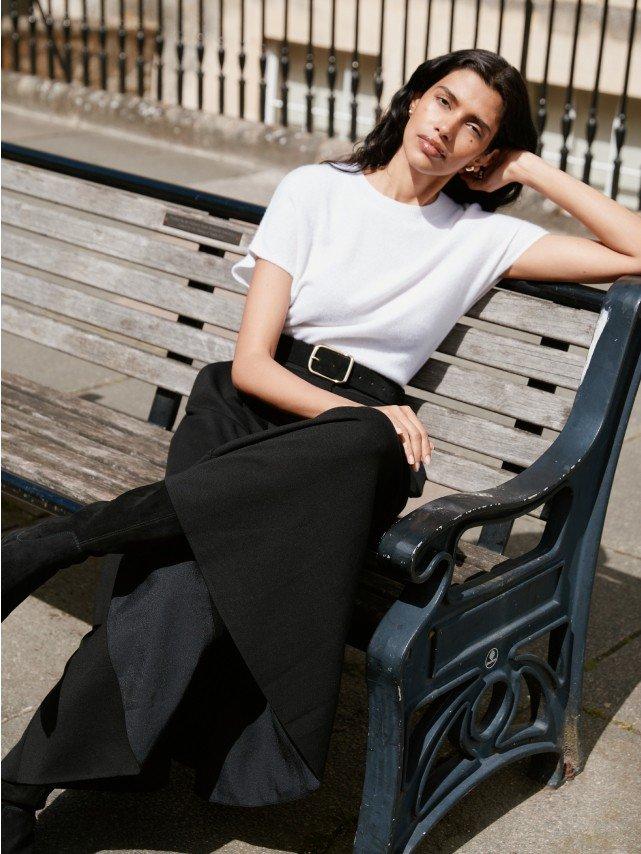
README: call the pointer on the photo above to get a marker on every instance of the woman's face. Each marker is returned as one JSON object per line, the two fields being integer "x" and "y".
{"x": 460, "y": 114}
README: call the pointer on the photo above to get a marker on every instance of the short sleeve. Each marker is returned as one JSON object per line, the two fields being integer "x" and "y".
{"x": 496, "y": 241}
{"x": 516, "y": 235}
{"x": 274, "y": 239}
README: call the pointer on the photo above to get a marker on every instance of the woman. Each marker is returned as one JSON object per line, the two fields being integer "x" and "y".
{"x": 221, "y": 641}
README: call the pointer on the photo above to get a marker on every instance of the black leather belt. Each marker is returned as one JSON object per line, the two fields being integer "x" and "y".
{"x": 338, "y": 367}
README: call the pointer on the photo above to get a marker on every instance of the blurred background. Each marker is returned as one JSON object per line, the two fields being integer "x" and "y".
{"x": 331, "y": 66}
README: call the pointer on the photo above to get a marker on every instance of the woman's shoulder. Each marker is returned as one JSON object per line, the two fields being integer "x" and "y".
{"x": 316, "y": 176}
{"x": 497, "y": 234}
{"x": 493, "y": 221}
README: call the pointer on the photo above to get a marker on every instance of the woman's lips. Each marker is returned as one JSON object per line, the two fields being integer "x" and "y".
{"x": 429, "y": 149}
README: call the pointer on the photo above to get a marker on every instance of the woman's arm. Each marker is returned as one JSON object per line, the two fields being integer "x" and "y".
{"x": 254, "y": 369}
{"x": 617, "y": 250}
{"x": 256, "y": 372}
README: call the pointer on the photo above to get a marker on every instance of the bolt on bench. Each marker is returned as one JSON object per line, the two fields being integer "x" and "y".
{"x": 474, "y": 658}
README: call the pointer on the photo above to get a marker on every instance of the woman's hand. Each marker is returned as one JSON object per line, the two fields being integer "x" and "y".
{"x": 501, "y": 168}
{"x": 417, "y": 444}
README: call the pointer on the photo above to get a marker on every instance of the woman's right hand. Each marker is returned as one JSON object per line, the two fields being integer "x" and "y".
{"x": 411, "y": 431}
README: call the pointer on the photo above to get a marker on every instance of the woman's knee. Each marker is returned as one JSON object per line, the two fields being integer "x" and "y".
{"x": 377, "y": 431}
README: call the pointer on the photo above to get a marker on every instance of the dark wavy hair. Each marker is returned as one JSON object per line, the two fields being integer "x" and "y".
{"x": 516, "y": 128}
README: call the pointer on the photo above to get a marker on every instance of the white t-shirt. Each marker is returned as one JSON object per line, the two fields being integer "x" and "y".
{"x": 382, "y": 280}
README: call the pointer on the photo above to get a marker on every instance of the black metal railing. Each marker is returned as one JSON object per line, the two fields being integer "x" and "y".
{"x": 156, "y": 50}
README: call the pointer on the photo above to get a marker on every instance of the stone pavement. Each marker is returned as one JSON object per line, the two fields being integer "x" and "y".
{"x": 597, "y": 812}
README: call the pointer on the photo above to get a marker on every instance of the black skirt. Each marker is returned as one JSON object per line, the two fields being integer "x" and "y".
{"x": 226, "y": 653}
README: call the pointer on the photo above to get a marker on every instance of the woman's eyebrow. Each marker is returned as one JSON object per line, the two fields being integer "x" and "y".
{"x": 456, "y": 101}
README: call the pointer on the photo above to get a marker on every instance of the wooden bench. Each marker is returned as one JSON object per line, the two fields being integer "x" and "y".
{"x": 474, "y": 658}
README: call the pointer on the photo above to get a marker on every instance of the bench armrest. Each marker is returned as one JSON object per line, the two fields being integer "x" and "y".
{"x": 413, "y": 541}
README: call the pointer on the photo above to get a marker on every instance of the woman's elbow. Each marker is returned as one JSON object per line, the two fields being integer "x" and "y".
{"x": 244, "y": 370}
{"x": 239, "y": 374}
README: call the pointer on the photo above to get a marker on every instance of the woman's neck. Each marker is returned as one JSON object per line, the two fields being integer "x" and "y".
{"x": 404, "y": 184}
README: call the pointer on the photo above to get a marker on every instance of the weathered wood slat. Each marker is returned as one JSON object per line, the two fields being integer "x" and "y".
{"x": 123, "y": 206}
{"x": 50, "y": 470}
{"x": 487, "y": 437}
{"x": 149, "y": 328}
{"x": 90, "y": 412}
{"x": 146, "y": 249}
{"x": 68, "y": 450}
{"x": 509, "y": 354}
{"x": 89, "y": 196}
{"x": 539, "y": 316}
{"x": 151, "y": 442}
{"x": 493, "y": 393}
{"x": 458, "y": 428}
{"x": 47, "y": 418}
{"x": 65, "y": 461}
{"x": 472, "y": 558}
{"x": 158, "y": 289}
{"x": 92, "y": 348}
{"x": 462, "y": 474}
{"x": 42, "y": 428}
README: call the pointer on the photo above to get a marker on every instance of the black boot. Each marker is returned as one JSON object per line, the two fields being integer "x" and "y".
{"x": 19, "y": 805}
{"x": 135, "y": 520}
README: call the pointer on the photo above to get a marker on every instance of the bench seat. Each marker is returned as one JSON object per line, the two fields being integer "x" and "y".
{"x": 475, "y": 639}
{"x": 62, "y": 452}
{"x": 75, "y": 448}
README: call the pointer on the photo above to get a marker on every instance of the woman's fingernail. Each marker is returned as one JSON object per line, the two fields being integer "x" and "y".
{"x": 427, "y": 459}
{"x": 411, "y": 459}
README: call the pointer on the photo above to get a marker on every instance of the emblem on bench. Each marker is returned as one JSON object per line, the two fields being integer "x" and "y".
{"x": 492, "y": 657}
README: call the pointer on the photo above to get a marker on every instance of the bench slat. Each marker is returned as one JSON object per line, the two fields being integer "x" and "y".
{"x": 90, "y": 413}
{"x": 509, "y": 354}
{"x": 458, "y": 428}
{"x": 90, "y": 196}
{"x": 66, "y": 449}
{"x": 154, "y": 288}
{"x": 494, "y": 394}
{"x": 138, "y": 247}
{"x": 462, "y": 474}
{"x": 456, "y": 473}
{"x": 539, "y": 316}
{"x": 122, "y": 206}
{"x": 213, "y": 231}
{"x": 487, "y": 437}
{"x": 149, "y": 328}
{"x": 153, "y": 369}
{"x": 47, "y": 420}
{"x": 63, "y": 471}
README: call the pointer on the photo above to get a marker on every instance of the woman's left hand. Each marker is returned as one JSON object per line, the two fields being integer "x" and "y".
{"x": 501, "y": 169}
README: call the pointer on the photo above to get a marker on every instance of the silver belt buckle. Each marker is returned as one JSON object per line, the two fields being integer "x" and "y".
{"x": 325, "y": 376}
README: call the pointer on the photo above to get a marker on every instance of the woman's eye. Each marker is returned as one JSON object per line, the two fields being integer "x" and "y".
{"x": 476, "y": 130}
{"x": 442, "y": 99}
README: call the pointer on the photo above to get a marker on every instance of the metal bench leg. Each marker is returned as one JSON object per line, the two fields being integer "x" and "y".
{"x": 396, "y": 671}
{"x": 381, "y": 792}
{"x": 581, "y": 574}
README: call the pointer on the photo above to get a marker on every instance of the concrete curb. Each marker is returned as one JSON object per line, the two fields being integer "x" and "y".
{"x": 79, "y": 105}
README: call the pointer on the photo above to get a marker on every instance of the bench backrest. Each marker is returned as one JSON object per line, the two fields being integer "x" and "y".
{"x": 103, "y": 274}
